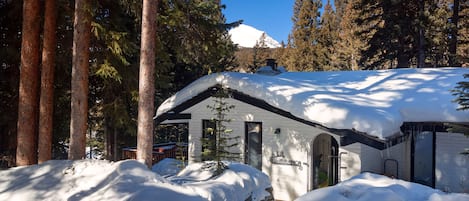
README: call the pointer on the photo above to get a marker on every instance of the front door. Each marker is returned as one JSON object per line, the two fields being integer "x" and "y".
{"x": 253, "y": 144}
{"x": 325, "y": 161}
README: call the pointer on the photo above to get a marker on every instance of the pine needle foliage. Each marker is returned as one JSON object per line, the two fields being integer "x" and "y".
{"x": 219, "y": 139}
{"x": 461, "y": 91}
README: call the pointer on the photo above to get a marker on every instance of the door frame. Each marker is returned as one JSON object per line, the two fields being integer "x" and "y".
{"x": 333, "y": 162}
{"x": 246, "y": 141}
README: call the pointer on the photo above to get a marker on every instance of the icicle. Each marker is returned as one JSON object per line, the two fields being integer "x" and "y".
{"x": 388, "y": 145}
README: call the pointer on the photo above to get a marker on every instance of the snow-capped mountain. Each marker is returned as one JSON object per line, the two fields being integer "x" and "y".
{"x": 247, "y": 36}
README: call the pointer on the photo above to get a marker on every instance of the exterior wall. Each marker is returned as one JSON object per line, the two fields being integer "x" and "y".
{"x": 350, "y": 163}
{"x": 451, "y": 168}
{"x": 292, "y": 144}
{"x": 399, "y": 156}
{"x": 357, "y": 158}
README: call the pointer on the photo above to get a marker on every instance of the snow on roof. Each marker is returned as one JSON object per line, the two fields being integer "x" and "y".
{"x": 376, "y": 102}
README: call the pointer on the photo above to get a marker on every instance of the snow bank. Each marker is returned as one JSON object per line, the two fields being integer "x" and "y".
{"x": 376, "y": 102}
{"x": 371, "y": 187}
{"x": 125, "y": 180}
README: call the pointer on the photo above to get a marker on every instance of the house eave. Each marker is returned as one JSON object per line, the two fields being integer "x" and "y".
{"x": 347, "y": 136}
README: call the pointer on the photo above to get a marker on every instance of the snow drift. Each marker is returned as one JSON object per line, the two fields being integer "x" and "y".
{"x": 128, "y": 180}
{"x": 371, "y": 187}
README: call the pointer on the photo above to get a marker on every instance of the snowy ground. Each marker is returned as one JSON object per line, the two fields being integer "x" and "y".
{"x": 130, "y": 180}
{"x": 372, "y": 187}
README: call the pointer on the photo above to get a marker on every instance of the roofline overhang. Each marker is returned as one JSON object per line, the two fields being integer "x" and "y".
{"x": 347, "y": 136}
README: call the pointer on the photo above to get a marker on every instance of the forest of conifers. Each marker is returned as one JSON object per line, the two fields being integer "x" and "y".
{"x": 192, "y": 40}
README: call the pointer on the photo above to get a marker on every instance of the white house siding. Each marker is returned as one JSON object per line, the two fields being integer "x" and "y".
{"x": 451, "y": 168}
{"x": 350, "y": 163}
{"x": 294, "y": 141}
{"x": 363, "y": 158}
{"x": 400, "y": 153}
{"x": 357, "y": 158}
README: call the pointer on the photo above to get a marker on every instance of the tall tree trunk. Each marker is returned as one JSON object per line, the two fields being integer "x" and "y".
{"x": 107, "y": 138}
{"x": 146, "y": 88}
{"x": 454, "y": 35}
{"x": 80, "y": 72}
{"x": 26, "y": 150}
{"x": 47, "y": 82}
{"x": 421, "y": 44}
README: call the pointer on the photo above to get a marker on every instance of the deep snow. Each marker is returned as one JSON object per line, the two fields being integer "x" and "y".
{"x": 248, "y": 36}
{"x": 372, "y": 187}
{"x": 131, "y": 180}
{"x": 375, "y": 102}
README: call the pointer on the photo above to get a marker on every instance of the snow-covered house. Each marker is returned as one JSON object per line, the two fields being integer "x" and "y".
{"x": 307, "y": 130}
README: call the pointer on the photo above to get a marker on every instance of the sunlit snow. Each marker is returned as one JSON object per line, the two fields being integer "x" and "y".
{"x": 376, "y": 102}
{"x": 372, "y": 187}
{"x": 131, "y": 180}
{"x": 248, "y": 36}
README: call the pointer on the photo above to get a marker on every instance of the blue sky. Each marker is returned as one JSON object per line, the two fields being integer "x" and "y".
{"x": 271, "y": 16}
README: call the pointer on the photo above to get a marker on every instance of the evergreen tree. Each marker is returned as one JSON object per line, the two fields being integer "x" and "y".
{"x": 10, "y": 41}
{"x": 394, "y": 36}
{"x": 26, "y": 152}
{"x": 453, "y": 33}
{"x": 261, "y": 52}
{"x": 80, "y": 74}
{"x": 462, "y": 94}
{"x": 461, "y": 91}
{"x": 46, "y": 101}
{"x": 304, "y": 40}
{"x": 220, "y": 140}
{"x": 341, "y": 8}
{"x": 463, "y": 34}
{"x": 280, "y": 54}
{"x": 328, "y": 34}
{"x": 146, "y": 90}
{"x": 192, "y": 41}
{"x": 437, "y": 31}
{"x": 349, "y": 45}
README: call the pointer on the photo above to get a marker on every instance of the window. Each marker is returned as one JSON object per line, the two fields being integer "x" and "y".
{"x": 253, "y": 144}
{"x": 208, "y": 140}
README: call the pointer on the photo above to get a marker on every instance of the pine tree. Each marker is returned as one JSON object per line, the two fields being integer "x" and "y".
{"x": 453, "y": 37}
{"x": 461, "y": 92}
{"x": 328, "y": 34}
{"x": 220, "y": 140}
{"x": 261, "y": 52}
{"x": 280, "y": 54}
{"x": 146, "y": 89}
{"x": 47, "y": 82}
{"x": 394, "y": 36}
{"x": 463, "y": 35}
{"x": 304, "y": 40}
{"x": 349, "y": 44}
{"x": 26, "y": 152}
{"x": 437, "y": 31}
{"x": 80, "y": 74}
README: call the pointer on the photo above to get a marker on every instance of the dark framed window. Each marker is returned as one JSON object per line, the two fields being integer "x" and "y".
{"x": 208, "y": 140}
{"x": 253, "y": 144}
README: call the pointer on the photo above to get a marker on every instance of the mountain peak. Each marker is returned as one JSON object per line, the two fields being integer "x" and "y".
{"x": 247, "y": 36}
